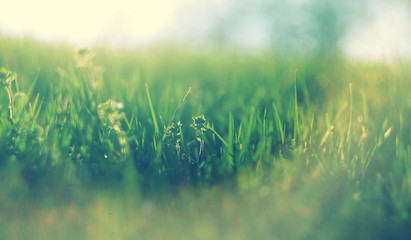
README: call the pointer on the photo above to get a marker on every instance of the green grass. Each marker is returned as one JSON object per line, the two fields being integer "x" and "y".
{"x": 173, "y": 143}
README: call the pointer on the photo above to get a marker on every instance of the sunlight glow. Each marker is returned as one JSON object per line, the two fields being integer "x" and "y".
{"x": 384, "y": 36}
{"x": 84, "y": 21}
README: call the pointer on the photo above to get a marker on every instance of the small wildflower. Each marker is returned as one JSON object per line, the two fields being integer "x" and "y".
{"x": 117, "y": 105}
{"x": 110, "y": 117}
{"x": 174, "y": 133}
{"x": 200, "y": 125}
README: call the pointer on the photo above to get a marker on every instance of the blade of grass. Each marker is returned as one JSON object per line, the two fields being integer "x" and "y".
{"x": 153, "y": 114}
{"x": 296, "y": 116}
{"x": 179, "y": 106}
{"x": 279, "y": 123}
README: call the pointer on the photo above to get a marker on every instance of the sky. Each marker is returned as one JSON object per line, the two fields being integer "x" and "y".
{"x": 85, "y": 21}
{"x": 385, "y": 33}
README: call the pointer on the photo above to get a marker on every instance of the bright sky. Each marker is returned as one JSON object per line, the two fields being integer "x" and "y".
{"x": 385, "y": 33}
{"x": 84, "y": 21}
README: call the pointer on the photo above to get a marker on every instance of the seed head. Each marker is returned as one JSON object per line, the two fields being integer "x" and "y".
{"x": 200, "y": 123}
{"x": 7, "y": 77}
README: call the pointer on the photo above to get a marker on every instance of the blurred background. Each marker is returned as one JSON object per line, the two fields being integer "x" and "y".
{"x": 366, "y": 29}
{"x": 318, "y": 153}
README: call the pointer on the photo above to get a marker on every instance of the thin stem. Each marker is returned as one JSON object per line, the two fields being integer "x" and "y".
{"x": 177, "y": 109}
{"x": 201, "y": 149}
{"x": 11, "y": 101}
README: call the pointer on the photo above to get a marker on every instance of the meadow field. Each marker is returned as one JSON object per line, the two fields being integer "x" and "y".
{"x": 173, "y": 142}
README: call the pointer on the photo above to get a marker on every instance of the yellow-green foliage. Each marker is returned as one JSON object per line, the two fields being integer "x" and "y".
{"x": 175, "y": 143}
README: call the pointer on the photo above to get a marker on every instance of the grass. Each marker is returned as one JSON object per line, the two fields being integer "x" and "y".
{"x": 172, "y": 143}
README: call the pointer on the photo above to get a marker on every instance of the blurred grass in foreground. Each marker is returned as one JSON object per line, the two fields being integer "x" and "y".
{"x": 103, "y": 144}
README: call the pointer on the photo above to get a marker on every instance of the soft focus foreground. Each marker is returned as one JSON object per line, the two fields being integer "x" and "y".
{"x": 170, "y": 143}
